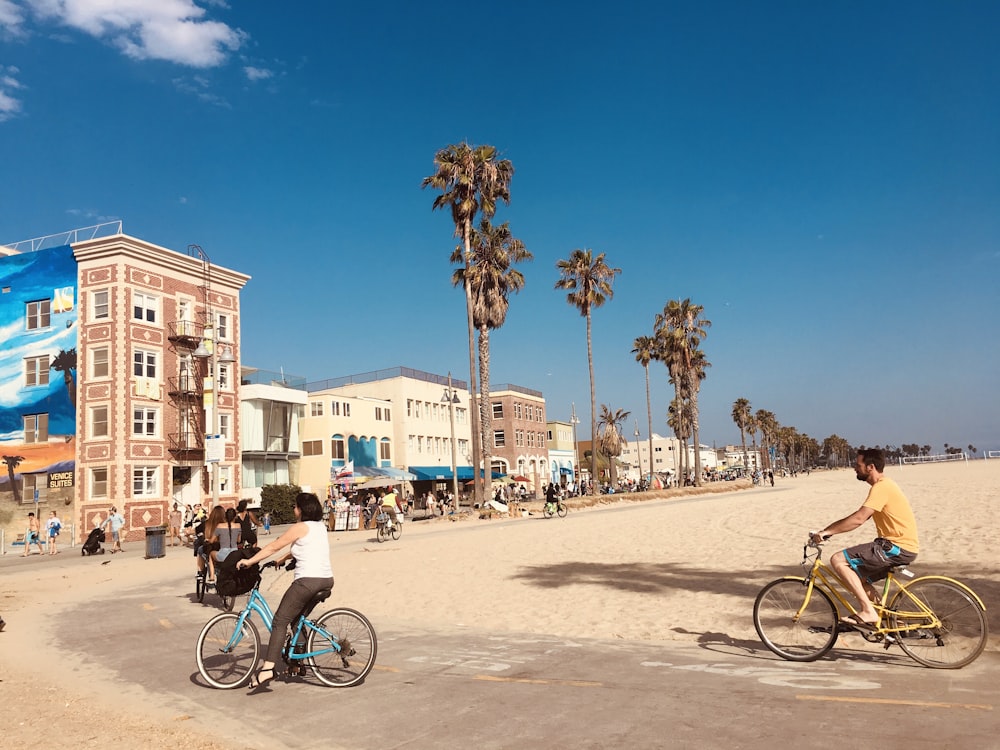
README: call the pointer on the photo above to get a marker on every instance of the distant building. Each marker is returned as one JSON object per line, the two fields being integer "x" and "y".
{"x": 562, "y": 453}
{"x": 520, "y": 446}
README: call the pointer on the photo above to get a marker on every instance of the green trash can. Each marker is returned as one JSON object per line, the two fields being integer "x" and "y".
{"x": 156, "y": 537}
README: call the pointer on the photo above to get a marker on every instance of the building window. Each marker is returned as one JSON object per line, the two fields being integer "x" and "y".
{"x": 337, "y": 451}
{"x": 224, "y": 422}
{"x": 409, "y": 443}
{"x": 36, "y": 428}
{"x": 98, "y": 483}
{"x": 38, "y": 314}
{"x": 517, "y": 411}
{"x": 312, "y": 448}
{"x": 36, "y": 370}
{"x": 531, "y": 439}
{"x": 347, "y": 409}
{"x": 99, "y": 362}
{"x": 225, "y": 475}
{"x": 498, "y": 410}
{"x": 31, "y": 483}
{"x": 144, "y": 481}
{"x": 316, "y": 408}
{"x": 144, "y": 363}
{"x": 498, "y": 439}
{"x": 101, "y": 307}
{"x": 460, "y": 416}
{"x": 334, "y": 408}
{"x": 222, "y": 326}
{"x": 378, "y": 413}
{"x": 384, "y": 450}
{"x": 144, "y": 421}
{"x": 409, "y": 407}
{"x": 549, "y": 434}
{"x": 382, "y": 415}
{"x": 144, "y": 307}
{"x": 98, "y": 421}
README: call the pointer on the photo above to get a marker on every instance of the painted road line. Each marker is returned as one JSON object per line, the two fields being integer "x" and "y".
{"x": 895, "y": 702}
{"x": 530, "y": 681}
{"x": 166, "y": 624}
{"x": 379, "y": 668}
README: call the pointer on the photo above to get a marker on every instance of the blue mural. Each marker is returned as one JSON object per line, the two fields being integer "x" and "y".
{"x": 38, "y": 355}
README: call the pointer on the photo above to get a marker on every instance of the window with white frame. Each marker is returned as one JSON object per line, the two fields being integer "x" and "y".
{"x": 378, "y": 413}
{"x": 222, "y": 326}
{"x": 100, "y": 307}
{"x": 144, "y": 307}
{"x": 145, "y": 481}
{"x": 498, "y": 438}
{"x": 225, "y": 422}
{"x": 32, "y": 482}
{"x": 98, "y": 421}
{"x": 225, "y": 477}
{"x": 384, "y": 450}
{"x": 531, "y": 439}
{"x": 38, "y": 314}
{"x": 347, "y": 409}
{"x": 144, "y": 363}
{"x": 416, "y": 409}
{"x": 335, "y": 408}
{"x": 409, "y": 407}
{"x": 99, "y": 367}
{"x": 498, "y": 410}
{"x": 316, "y": 408}
{"x": 144, "y": 420}
{"x": 98, "y": 483}
{"x": 36, "y": 370}
{"x": 460, "y": 415}
{"x": 517, "y": 411}
{"x": 409, "y": 443}
{"x": 36, "y": 428}
{"x": 224, "y": 381}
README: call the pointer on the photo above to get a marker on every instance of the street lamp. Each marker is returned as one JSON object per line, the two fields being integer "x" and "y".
{"x": 638, "y": 452}
{"x": 450, "y": 397}
{"x": 575, "y": 420}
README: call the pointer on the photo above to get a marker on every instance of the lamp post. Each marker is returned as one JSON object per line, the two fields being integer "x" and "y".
{"x": 638, "y": 452}
{"x": 575, "y": 420}
{"x": 451, "y": 398}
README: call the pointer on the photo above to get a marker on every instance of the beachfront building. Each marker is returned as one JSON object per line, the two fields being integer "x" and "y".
{"x": 732, "y": 457}
{"x": 520, "y": 446}
{"x": 396, "y": 419}
{"x": 562, "y": 453}
{"x": 119, "y": 369}
{"x": 272, "y": 405}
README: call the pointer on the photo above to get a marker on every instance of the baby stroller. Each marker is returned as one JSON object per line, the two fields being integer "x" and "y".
{"x": 93, "y": 544}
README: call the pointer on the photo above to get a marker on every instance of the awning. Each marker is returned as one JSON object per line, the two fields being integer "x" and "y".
{"x": 564, "y": 470}
{"x": 380, "y": 472}
{"x": 439, "y": 473}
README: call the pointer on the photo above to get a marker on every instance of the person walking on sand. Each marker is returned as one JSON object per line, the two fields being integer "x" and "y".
{"x": 52, "y": 528}
{"x": 117, "y": 522}
{"x": 31, "y": 536}
{"x": 175, "y": 526}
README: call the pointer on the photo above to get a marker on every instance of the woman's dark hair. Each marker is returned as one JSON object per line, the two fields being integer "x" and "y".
{"x": 241, "y": 506}
{"x": 230, "y": 515}
{"x": 309, "y": 505}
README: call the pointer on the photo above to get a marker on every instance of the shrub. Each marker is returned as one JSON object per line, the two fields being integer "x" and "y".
{"x": 279, "y": 501}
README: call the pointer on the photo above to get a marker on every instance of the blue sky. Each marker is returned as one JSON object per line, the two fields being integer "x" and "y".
{"x": 825, "y": 181}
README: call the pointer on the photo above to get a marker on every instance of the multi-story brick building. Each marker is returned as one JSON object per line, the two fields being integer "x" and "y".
{"x": 520, "y": 445}
{"x": 124, "y": 322}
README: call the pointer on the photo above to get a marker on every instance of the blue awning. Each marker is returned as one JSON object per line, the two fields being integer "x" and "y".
{"x": 380, "y": 472}
{"x": 564, "y": 470}
{"x": 440, "y": 473}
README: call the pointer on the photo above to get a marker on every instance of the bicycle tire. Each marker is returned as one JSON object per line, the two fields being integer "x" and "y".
{"x": 227, "y": 669}
{"x": 562, "y": 510}
{"x": 397, "y": 530}
{"x": 381, "y": 534}
{"x": 547, "y": 511}
{"x": 227, "y": 602}
{"x": 807, "y": 639}
{"x": 962, "y": 634}
{"x": 199, "y": 587}
{"x": 356, "y": 637}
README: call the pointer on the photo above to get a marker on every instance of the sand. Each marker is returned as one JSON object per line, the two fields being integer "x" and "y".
{"x": 684, "y": 567}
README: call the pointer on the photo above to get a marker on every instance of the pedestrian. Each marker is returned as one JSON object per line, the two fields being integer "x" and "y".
{"x": 267, "y": 523}
{"x": 248, "y": 524}
{"x": 117, "y": 523}
{"x": 31, "y": 536}
{"x": 175, "y": 526}
{"x": 52, "y": 527}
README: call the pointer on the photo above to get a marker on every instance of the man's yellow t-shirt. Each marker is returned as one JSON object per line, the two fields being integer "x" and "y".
{"x": 389, "y": 499}
{"x": 893, "y": 516}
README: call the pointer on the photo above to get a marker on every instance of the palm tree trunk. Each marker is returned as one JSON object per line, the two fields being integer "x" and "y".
{"x": 649, "y": 419}
{"x": 693, "y": 385}
{"x": 478, "y": 487}
{"x": 486, "y": 409}
{"x": 593, "y": 413}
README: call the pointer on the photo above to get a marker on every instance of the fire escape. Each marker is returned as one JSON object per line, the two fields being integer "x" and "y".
{"x": 187, "y": 441}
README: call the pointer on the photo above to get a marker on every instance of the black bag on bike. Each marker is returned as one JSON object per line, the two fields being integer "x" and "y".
{"x": 232, "y": 582}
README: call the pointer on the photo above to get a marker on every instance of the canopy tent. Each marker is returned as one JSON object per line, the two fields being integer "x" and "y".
{"x": 380, "y": 482}
{"x": 362, "y": 473}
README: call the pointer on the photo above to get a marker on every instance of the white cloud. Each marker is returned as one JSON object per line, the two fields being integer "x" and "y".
{"x": 199, "y": 86}
{"x": 11, "y": 17}
{"x": 171, "y": 30}
{"x": 257, "y": 74}
{"x": 10, "y": 105}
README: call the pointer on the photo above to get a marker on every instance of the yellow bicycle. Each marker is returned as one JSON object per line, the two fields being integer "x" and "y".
{"x": 937, "y": 621}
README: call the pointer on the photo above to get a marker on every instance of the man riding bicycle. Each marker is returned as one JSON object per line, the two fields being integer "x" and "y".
{"x": 896, "y": 544}
{"x": 389, "y": 504}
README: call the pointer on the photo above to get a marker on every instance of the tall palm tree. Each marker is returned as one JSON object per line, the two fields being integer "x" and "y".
{"x": 471, "y": 180}
{"x": 65, "y": 362}
{"x": 767, "y": 423}
{"x": 588, "y": 281}
{"x": 682, "y": 329}
{"x": 492, "y": 278}
{"x": 12, "y": 463}
{"x": 609, "y": 426}
{"x": 644, "y": 349}
{"x": 741, "y": 416}
{"x": 679, "y": 421}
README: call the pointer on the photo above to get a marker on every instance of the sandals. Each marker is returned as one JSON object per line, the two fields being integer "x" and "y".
{"x": 259, "y": 682}
{"x": 855, "y": 622}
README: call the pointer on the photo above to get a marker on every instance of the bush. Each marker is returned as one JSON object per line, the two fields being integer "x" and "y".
{"x": 279, "y": 501}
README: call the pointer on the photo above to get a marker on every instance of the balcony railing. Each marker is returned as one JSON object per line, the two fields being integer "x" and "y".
{"x": 185, "y": 332}
{"x": 183, "y": 385}
{"x": 189, "y": 440}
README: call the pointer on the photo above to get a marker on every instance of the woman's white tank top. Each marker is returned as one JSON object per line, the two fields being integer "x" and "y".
{"x": 312, "y": 553}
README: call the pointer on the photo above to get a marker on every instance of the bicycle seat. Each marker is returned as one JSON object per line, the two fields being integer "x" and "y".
{"x": 319, "y": 596}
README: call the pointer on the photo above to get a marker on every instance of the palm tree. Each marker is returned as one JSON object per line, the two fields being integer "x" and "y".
{"x": 588, "y": 281}
{"x": 682, "y": 329}
{"x": 492, "y": 278}
{"x": 741, "y": 415}
{"x": 471, "y": 180}
{"x": 679, "y": 421}
{"x": 644, "y": 349}
{"x": 65, "y": 362}
{"x": 609, "y": 426}
{"x": 767, "y": 423}
{"x": 12, "y": 463}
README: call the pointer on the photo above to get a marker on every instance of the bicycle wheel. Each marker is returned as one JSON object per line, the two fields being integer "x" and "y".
{"x": 397, "y": 530}
{"x": 227, "y": 602}
{"x": 804, "y": 639}
{"x": 199, "y": 587}
{"x": 963, "y": 631}
{"x": 562, "y": 510}
{"x": 547, "y": 511}
{"x": 355, "y": 637}
{"x": 226, "y": 659}
{"x": 381, "y": 533}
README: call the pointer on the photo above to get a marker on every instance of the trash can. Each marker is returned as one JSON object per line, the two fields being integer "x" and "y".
{"x": 155, "y": 541}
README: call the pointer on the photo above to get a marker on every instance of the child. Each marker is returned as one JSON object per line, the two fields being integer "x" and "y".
{"x": 267, "y": 523}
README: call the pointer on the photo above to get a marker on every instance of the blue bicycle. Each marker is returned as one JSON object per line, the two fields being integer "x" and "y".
{"x": 339, "y": 647}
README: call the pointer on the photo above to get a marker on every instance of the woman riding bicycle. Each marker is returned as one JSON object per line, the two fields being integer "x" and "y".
{"x": 310, "y": 548}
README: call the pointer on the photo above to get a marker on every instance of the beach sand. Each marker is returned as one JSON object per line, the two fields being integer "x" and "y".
{"x": 680, "y": 568}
